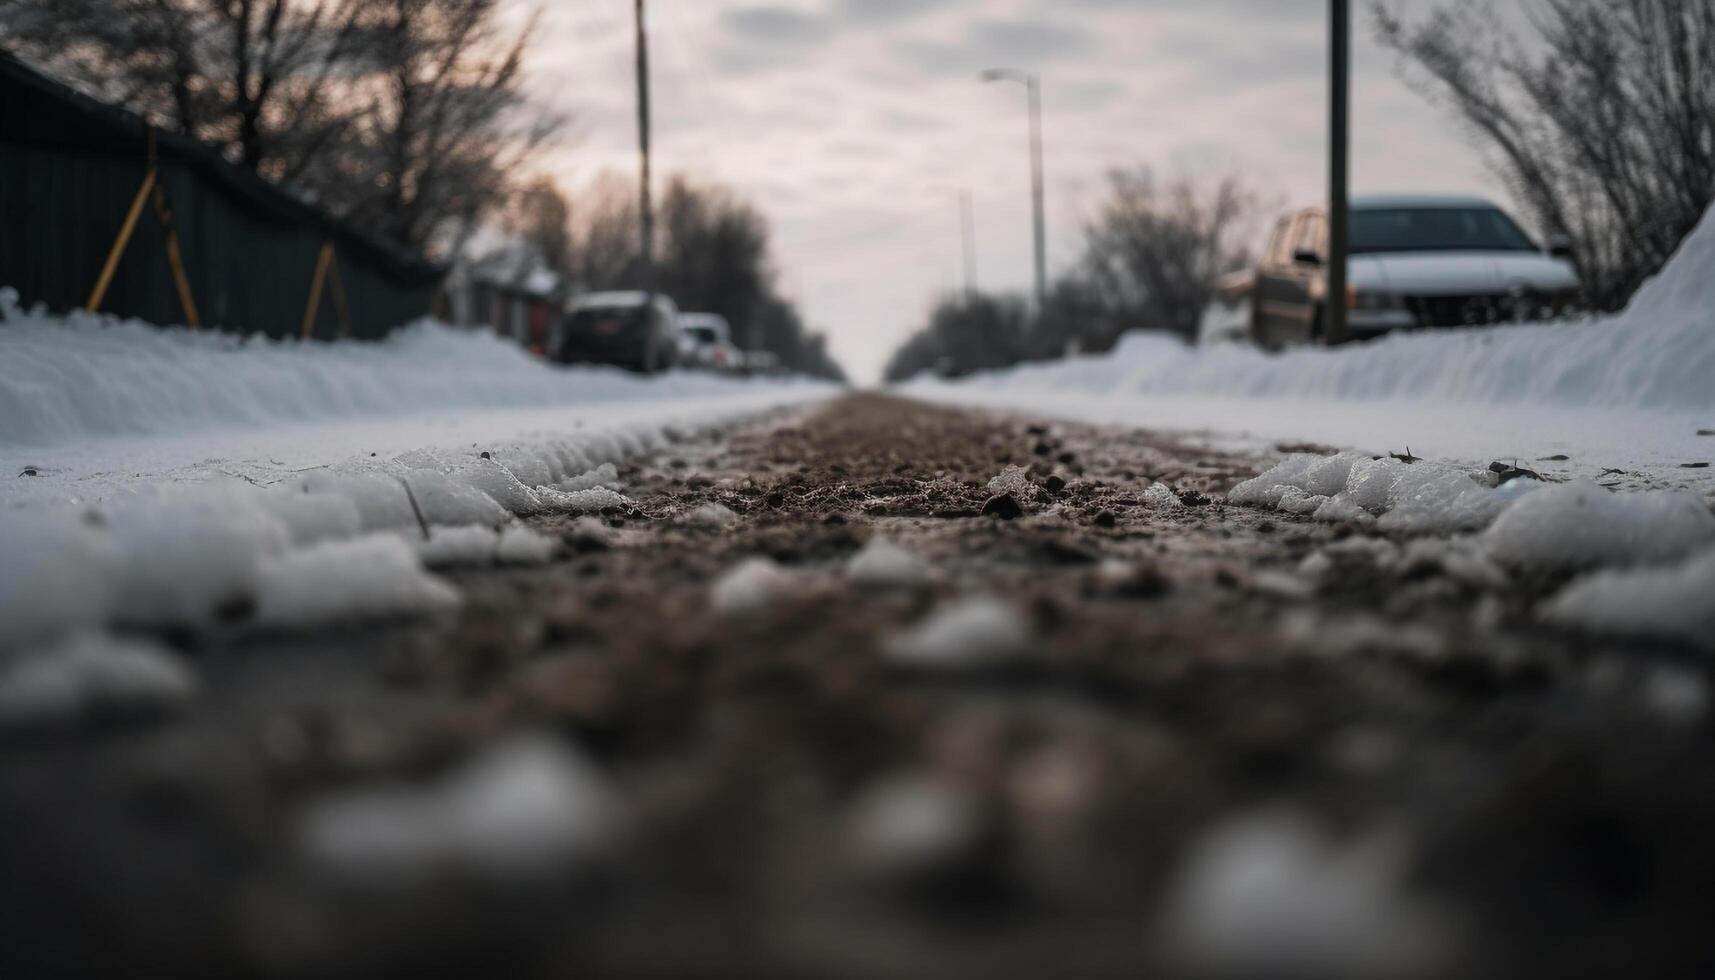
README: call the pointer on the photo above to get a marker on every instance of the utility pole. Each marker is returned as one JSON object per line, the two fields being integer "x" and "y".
{"x": 646, "y": 202}
{"x": 1334, "y": 304}
{"x": 1033, "y": 89}
{"x": 968, "y": 229}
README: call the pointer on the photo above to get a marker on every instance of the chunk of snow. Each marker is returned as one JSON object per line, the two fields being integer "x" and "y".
{"x": 882, "y": 563}
{"x": 1340, "y": 509}
{"x": 1161, "y": 497}
{"x": 520, "y": 545}
{"x": 1014, "y": 480}
{"x": 580, "y": 501}
{"x": 1674, "y": 603}
{"x": 1580, "y": 525}
{"x": 711, "y": 515}
{"x": 1269, "y": 894}
{"x": 90, "y": 675}
{"x": 56, "y": 573}
{"x": 527, "y": 808}
{"x": 366, "y": 578}
{"x": 313, "y": 517}
{"x": 605, "y": 475}
{"x": 473, "y": 546}
{"x": 445, "y": 500}
{"x": 752, "y": 587}
{"x": 968, "y": 633}
{"x": 191, "y": 556}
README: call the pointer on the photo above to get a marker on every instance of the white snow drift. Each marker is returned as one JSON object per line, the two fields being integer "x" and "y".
{"x": 81, "y": 377}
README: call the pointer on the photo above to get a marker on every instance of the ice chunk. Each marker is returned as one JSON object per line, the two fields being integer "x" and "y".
{"x": 373, "y": 577}
{"x": 752, "y": 587}
{"x": 1428, "y": 499}
{"x": 1370, "y": 483}
{"x": 1340, "y": 509}
{"x": 445, "y": 500}
{"x": 1014, "y": 480}
{"x": 1267, "y": 489}
{"x": 531, "y": 807}
{"x": 1580, "y": 525}
{"x": 1296, "y": 501}
{"x": 1268, "y": 894}
{"x": 580, "y": 501}
{"x": 883, "y": 563}
{"x": 605, "y": 475}
{"x": 91, "y": 675}
{"x": 1674, "y": 603}
{"x": 1161, "y": 497}
{"x": 1329, "y": 475}
{"x": 969, "y": 633}
{"x": 56, "y": 573}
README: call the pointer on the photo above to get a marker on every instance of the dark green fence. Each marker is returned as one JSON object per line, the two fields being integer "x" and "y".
{"x": 70, "y": 171}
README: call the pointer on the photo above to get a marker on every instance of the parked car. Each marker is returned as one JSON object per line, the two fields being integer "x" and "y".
{"x": 1416, "y": 262}
{"x": 633, "y": 330}
{"x": 707, "y": 343}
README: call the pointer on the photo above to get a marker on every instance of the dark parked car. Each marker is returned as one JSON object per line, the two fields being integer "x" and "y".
{"x": 631, "y": 330}
{"x": 1416, "y": 262}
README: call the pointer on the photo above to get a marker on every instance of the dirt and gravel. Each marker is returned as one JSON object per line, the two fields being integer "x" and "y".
{"x": 792, "y": 793}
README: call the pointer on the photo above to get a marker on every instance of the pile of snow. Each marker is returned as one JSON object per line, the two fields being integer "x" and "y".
{"x": 373, "y": 577}
{"x": 1420, "y": 497}
{"x": 83, "y": 377}
{"x": 1579, "y": 525}
{"x": 883, "y": 564}
{"x": 1269, "y": 894}
{"x": 88, "y": 676}
{"x": 531, "y": 807}
{"x": 970, "y": 633}
{"x": 474, "y": 546}
{"x": 1659, "y": 355}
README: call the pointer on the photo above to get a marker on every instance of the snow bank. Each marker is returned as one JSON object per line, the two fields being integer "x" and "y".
{"x": 375, "y": 577}
{"x": 531, "y": 807}
{"x": 1659, "y": 355}
{"x": 82, "y": 377}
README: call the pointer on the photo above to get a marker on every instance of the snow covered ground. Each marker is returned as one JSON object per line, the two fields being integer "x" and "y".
{"x": 1629, "y": 392}
{"x": 169, "y": 479}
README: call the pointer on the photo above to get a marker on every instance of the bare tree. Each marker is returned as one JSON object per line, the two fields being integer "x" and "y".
{"x": 1603, "y": 126}
{"x": 540, "y": 215}
{"x": 1156, "y": 247}
{"x": 257, "y": 78}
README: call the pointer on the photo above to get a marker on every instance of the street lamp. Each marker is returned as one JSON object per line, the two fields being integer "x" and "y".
{"x": 1032, "y": 86}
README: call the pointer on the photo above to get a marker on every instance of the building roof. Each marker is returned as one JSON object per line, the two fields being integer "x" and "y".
{"x": 1377, "y": 202}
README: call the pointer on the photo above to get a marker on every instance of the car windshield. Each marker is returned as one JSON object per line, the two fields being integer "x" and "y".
{"x": 1436, "y": 230}
{"x": 703, "y": 335}
{"x": 606, "y": 320}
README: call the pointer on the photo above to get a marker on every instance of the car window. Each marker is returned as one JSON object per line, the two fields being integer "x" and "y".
{"x": 1437, "y": 230}
{"x": 1312, "y": 234}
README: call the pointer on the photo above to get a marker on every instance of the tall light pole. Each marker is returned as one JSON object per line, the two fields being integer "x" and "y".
{"x": 1339, "y": 168}
{"x": 968, "y": 232}
{"x": 1033, "y": 87}
{"x": 646, "y": 202}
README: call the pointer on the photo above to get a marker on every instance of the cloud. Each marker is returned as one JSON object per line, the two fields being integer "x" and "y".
{"x": 772, "y": 24}
{"x": 868, "y": 12}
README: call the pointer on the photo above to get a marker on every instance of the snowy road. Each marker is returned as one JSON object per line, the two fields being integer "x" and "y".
{"x": 879, "y": 688}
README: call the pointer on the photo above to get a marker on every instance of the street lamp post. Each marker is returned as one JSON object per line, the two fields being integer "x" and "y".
{"x": 1334, "y": 304}
{"x": 646, "y": 203}
{"x": 1033, "y": 87}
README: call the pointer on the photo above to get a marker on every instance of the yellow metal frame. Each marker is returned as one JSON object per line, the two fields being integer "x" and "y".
{"x": 175, "y": 258}
{"x": 327, "y": 268}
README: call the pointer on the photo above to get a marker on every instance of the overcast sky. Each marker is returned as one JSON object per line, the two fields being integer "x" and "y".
{"x": 854, "y": 124}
